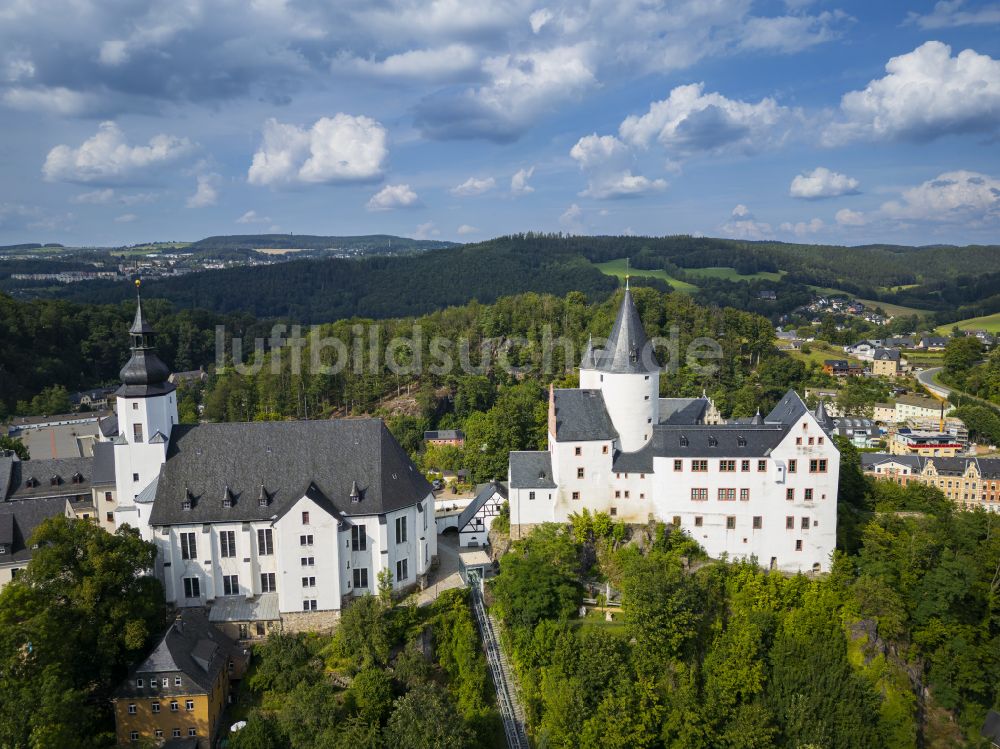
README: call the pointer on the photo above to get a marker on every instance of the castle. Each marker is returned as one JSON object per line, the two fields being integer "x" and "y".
{"x": 265, "y": 523}
{"x": 764, "y": 487}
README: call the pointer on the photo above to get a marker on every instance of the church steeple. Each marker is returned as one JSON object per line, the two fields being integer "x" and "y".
{"x": 144, "y": 374}
{"x": 627, "y": 349}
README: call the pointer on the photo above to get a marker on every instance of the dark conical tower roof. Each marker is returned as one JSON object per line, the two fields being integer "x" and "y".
{"x": 627, "y": 349}
{"x": 590, "y": 358}
{"x": 144, "y": 374}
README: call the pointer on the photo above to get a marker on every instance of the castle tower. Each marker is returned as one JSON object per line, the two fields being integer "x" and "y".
{"x": 147, "y": 412}
{"x": 628, "y": 376}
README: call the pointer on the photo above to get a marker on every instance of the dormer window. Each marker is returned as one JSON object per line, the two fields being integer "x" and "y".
{"x": 188, "y": 500}
{"x": 684, "y": 441}
{"x": 185, "y": 504}
{"x": 31, "y": 483}
{"x": 263, "y": 499}
{"x": 55, "y": 480}
{"x": 227, "y": 497}
{"x": 741, "y": 441}
{"x": 77, "y": 478}
{"x": 712, "y": 441}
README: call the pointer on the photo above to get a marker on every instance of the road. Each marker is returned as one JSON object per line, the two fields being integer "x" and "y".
{"x": 926, "y": 378}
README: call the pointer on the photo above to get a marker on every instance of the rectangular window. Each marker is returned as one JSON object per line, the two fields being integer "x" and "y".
{"x": 809, "y": 495}
{"x": 798, "y": 544}
{"x": 359, "y": 538}
{"x": 308, "y": 582}
{"x": 360, "y": 577}
{"x": 699, "y": 465}
{"x": 400, "y": 530}
{"x": 790, "y": 522}
{"x": 158, "y": 733}
{"x": 305, "y": 518}
{"x": 699, "y": 495}
{"x": 267, "y": 582}
{"x": 626, "y": 494}
{"x": 604, "y": 449}
{"x": 758, "y": 522}
{"x": 174, "y": 706}
{"x": 531, "y": 495}
{"x": 177, "y": 681}
{"x": 133, "y": 735}
{"x": 578, "y": 451}
{"x": 137, "y": 432}
{"x": 677, "y": 521}
{"x": 614, "y": 511}
{"x": 761, "y": 465}
{"x": 135, "y": 476}
{"x": 579, "y": 472}
{"x": 192, "y": 732}
{"x": 131, "y": 708}
{"x": 811, "y": 440}
{"x": 730, "y": 522}
{"x": 727, "y": 466}
{"x": 155, "y": 707}
{"x": 189, "y": 546}
{"x": 306, "y": 540}
{"x": 230, "y": 585}
{"x": 576, "y": 495}
{"x": 265, "y": 541}
{"x": 177, "y": 733}
{"x": 402, "y": 570}
{"x": 308, "y": 604}
{"x": 744, "y": 495}
{"x": 618, "y": 494}
{"x": 189, "y": 705}
{"x": 798, "y": 440}
{"x": 819, "y": 440}
{"x": 227, "y": 543}
{"x": 192, "y": 587}
{"x": 111, "y": 517}
{"x": 678, "y": 465}
{"x": 698, "y": 520}
{"x": 727, "y": 495}
{"x": 805, "y": 523}
{"x": 817, "y": 466}
{"x": 744, "y": 466}
{"x": 790, "y": 494}
{"x": 107, "y": 497}
{"x": 308, "y": 561}
{"x": 792, "y": 465}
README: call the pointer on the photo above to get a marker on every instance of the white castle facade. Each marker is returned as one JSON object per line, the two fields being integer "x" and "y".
{"x": 265, "y": 522}
{"x": 764, "y": 487}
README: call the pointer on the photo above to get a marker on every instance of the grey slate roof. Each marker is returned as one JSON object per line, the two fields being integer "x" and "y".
{"x": 104, "y": 464}
{"x": 18, "y": 520}
{"x": 886, "y": 354}
{"x": 191, "y": 648}
{"x": 263, "y": 608}
{"x": 286, "y": 457}
{"x": 144, "y": 374}
{"x": 108, "y": 426}
{"x": 789, "y": 409}
{"x": 484, "y": 496}
{"x": 682, "y": 410}
{"x": 44, "y": 470}
{"x": 445, "y": 434}
{"x": 988, "y": 467}
{"x": 6, "y": 471}
{"x": 531, "y": 470}
{"x": 581, "y": 416}
{"x": 627, "y": 349}
{"x": 991, "y": 727}
{"x": 702, "y": 441}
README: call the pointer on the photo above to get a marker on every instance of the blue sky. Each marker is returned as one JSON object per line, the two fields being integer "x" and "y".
{"x": 843, "y": 122}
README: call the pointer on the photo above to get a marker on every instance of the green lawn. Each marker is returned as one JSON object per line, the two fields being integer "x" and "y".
{"x": 820, "y": 351}
{"x": 617, "y": 268}
{"x": 730, "y": 274}
{"x": 988, "y": 322}
{"x": 896, "y": 310}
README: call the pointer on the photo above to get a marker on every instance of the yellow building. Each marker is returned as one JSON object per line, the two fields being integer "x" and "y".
{"x": 906, "y": 441}
{"x": 181, "y": 688}
{"x": 967, "y": 482}
{"x": 886, "y": 362}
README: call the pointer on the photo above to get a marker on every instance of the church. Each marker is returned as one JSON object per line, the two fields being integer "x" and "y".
{"x": 265, "y": 523}
{"x": 763, "y": 488}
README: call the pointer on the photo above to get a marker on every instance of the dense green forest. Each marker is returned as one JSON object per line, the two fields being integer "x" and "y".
{"x": 371, "y": 243}
{"x": 943, "y": 279}
{"x": 405, "y": 677}
{"x": 899, "y": 646}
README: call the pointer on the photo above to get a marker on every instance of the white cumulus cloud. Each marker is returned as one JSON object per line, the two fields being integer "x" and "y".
{"x": 107, "y": 157}
{"x": 926, "y": 93}
{"x": 252, "y": 217}
{"x": 822, "y": 183}
{"x": 473, "y": 186}
{"x": 337, "y": 149}
{"x": 689, "y": 120}
{"x": 962, "y": 197}
{"x": 126, "y": 218}
{"x": 847, "y": 217}
{"x": 391, "y": 197}
{"x": 952, "y": 13}
{"x": 803, "y": 228}
{"x": 206, "y": 193}
{"x": 426, "y": 231}
{"x": 466, "y": 229}
{"x": 743, "y": 225}
{"x": 519, "y": 182}
{"x": 431, "y": 64}
{"x": 607, "y": 163}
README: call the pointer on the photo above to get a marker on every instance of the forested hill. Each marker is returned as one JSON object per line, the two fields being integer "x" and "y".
{"x": 331, "y": 289}
{"x": 372, "y": 243}
{"x": 315, "y": 290}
